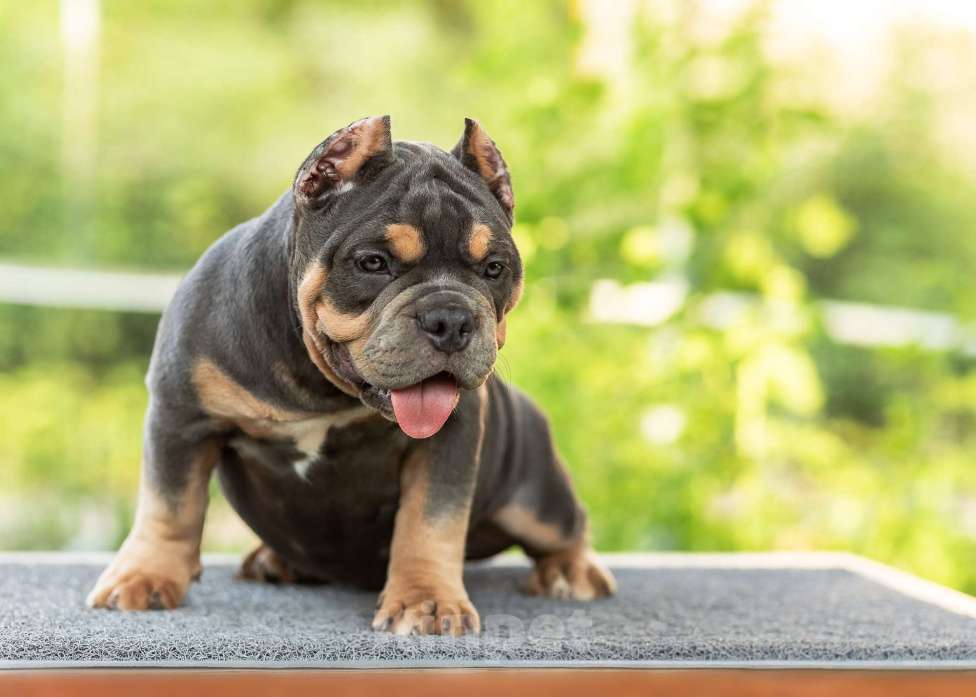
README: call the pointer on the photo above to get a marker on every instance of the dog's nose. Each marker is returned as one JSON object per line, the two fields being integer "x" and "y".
{"x": 449, "y": 328}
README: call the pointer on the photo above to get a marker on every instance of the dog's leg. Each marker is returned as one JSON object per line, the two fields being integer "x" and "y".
{"x": 547, "y": 520}
{"x": 161, "y": 555}
{"x": 566, "y": 566}
{"x": 424, "y": 591}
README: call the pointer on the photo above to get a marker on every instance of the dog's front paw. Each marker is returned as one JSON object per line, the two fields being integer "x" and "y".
{"x": 425, "y": 610}
{"x": 151, "y": 581}
{"x": 574, "y": 574}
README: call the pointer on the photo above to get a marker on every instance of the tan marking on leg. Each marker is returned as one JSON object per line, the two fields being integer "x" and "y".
{"x": 424, "y": 591}
{"x": 525, "y": 525}
{"x": 566, "y": 567}
{"x": 309, "y": 294}
{"x": 405, "y": 242}
{"x": 161, "y": 555}
{"x": 479, "y": 240}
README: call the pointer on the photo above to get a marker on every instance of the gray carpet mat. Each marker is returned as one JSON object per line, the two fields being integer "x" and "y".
{"x": 660, "y": 614}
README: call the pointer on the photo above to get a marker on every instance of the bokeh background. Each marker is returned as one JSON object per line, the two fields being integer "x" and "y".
{"x": 749, "y": 232}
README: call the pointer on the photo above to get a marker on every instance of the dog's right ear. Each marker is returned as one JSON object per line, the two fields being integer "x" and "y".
{"x": 337, "y": 161}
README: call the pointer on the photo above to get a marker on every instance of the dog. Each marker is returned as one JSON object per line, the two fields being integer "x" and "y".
{"x": 333, "y": 361}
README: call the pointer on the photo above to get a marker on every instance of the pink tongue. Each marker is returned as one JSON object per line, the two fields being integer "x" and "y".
{"x": 422, "y": 409}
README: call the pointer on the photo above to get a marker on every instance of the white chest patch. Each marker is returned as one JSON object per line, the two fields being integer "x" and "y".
{"x": 308, "y": 435}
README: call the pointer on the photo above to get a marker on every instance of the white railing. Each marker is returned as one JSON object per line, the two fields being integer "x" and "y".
{"x": 642, "y": 304}
{"x": 104, "y": 290}
{"x": 652, "y": 303}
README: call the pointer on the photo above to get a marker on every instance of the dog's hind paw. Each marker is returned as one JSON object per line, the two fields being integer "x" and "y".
{"x": 263, "y": 564}
{"x": 572, "y": 574}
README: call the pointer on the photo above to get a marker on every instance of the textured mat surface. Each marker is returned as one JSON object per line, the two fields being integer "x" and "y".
{"x": 660, "y": 614}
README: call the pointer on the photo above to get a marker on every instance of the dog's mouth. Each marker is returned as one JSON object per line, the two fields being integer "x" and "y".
{"x": 421, "y": 409}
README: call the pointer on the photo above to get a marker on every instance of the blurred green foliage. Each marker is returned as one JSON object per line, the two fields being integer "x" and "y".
{"x": 703, "y": 160}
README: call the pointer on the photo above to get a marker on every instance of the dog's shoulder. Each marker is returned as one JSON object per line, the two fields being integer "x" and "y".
{"x": 230, "y": 317}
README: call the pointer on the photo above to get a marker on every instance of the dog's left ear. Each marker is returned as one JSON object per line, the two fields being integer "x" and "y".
{"x": 338, "y": 160}
{"x": 478, "y": 152}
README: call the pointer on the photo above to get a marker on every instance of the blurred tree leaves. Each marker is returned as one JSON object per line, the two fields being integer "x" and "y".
{"x": 701, "y": 160}
{"x": 824, "y": 227}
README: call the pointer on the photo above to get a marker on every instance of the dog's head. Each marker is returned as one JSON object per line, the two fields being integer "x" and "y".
{"x": 403, "y": 267}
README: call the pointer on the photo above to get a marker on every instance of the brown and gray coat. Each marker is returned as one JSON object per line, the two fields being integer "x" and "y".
{"x": 273, "y": 365}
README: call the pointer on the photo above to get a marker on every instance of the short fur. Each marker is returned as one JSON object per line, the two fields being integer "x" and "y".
{"x": 273, "y": 365}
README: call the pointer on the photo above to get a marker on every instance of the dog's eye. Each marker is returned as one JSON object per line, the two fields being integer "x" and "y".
{"x": 372, "y": 263}
{"x": 494, "y": 269}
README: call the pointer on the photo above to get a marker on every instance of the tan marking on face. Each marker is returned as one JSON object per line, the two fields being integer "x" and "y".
{"x": 501, "y": 332}
{"x": 501, "y": 328}
{"x": 340, "y": 326}
{"x": 524, "y": 524}
{"x": 405, "y": 242}
{"x": 388, "y": 313}
{"x": 310, "y": 291}
{"x": 161, "y": 555}
{"x": 368, "y": 140}
{"x": 478, "y": 241}
{"x": 516, "y": 296}
{"x": 309, "y": 297}
{"x": 314, "y": 351}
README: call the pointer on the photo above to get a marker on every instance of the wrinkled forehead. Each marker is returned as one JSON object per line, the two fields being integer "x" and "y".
{"x": 428, "y": 201}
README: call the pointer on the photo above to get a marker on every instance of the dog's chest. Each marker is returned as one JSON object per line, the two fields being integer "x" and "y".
{"x": 309, "y": 449}
{"x": 323, "y": 492}
{"x": 309, "y": 438}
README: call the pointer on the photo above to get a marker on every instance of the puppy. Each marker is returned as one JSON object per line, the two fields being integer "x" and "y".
{"x": 332, "y": 361}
